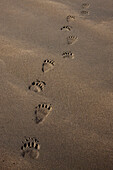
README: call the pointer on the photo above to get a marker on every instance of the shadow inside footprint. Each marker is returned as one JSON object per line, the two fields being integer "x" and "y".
{"x": 68, "y": 54}
{"x": 66, "y": 28}
{"x": 30, "y": 148}
{"x": 70, "y": 18}
{"x": 42, "y": 111}
{"x": 84, "y": 12}
{"x": 72, "y": 39}
{"x": 37, "y": 86}
{"x": 85, "y": 5}
{"x": 48, "y": 65}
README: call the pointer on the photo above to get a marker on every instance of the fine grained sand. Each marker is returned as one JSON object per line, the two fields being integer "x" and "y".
{"x": 78, "y": 133}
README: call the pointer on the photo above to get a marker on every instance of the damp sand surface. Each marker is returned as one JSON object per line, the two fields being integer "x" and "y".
{"x": 78, "y": 132}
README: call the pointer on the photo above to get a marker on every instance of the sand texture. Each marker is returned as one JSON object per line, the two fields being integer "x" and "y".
{"x": 56, "y": 84}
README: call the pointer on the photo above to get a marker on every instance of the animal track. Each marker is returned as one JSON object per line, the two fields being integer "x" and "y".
{"x": 42, "y": 111}
{"x": 84, "y": 12}
{"x": 30, "y": 147}
{"x": 68, "y": 54}
{"x": 47, "y": 65}
{"x": 37, "y": 86}
{"x": 66, "y": 28}
{"x": 72, "y": 39}
{"x": 85, "y": 5}
{"x": 70, "y": 18}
